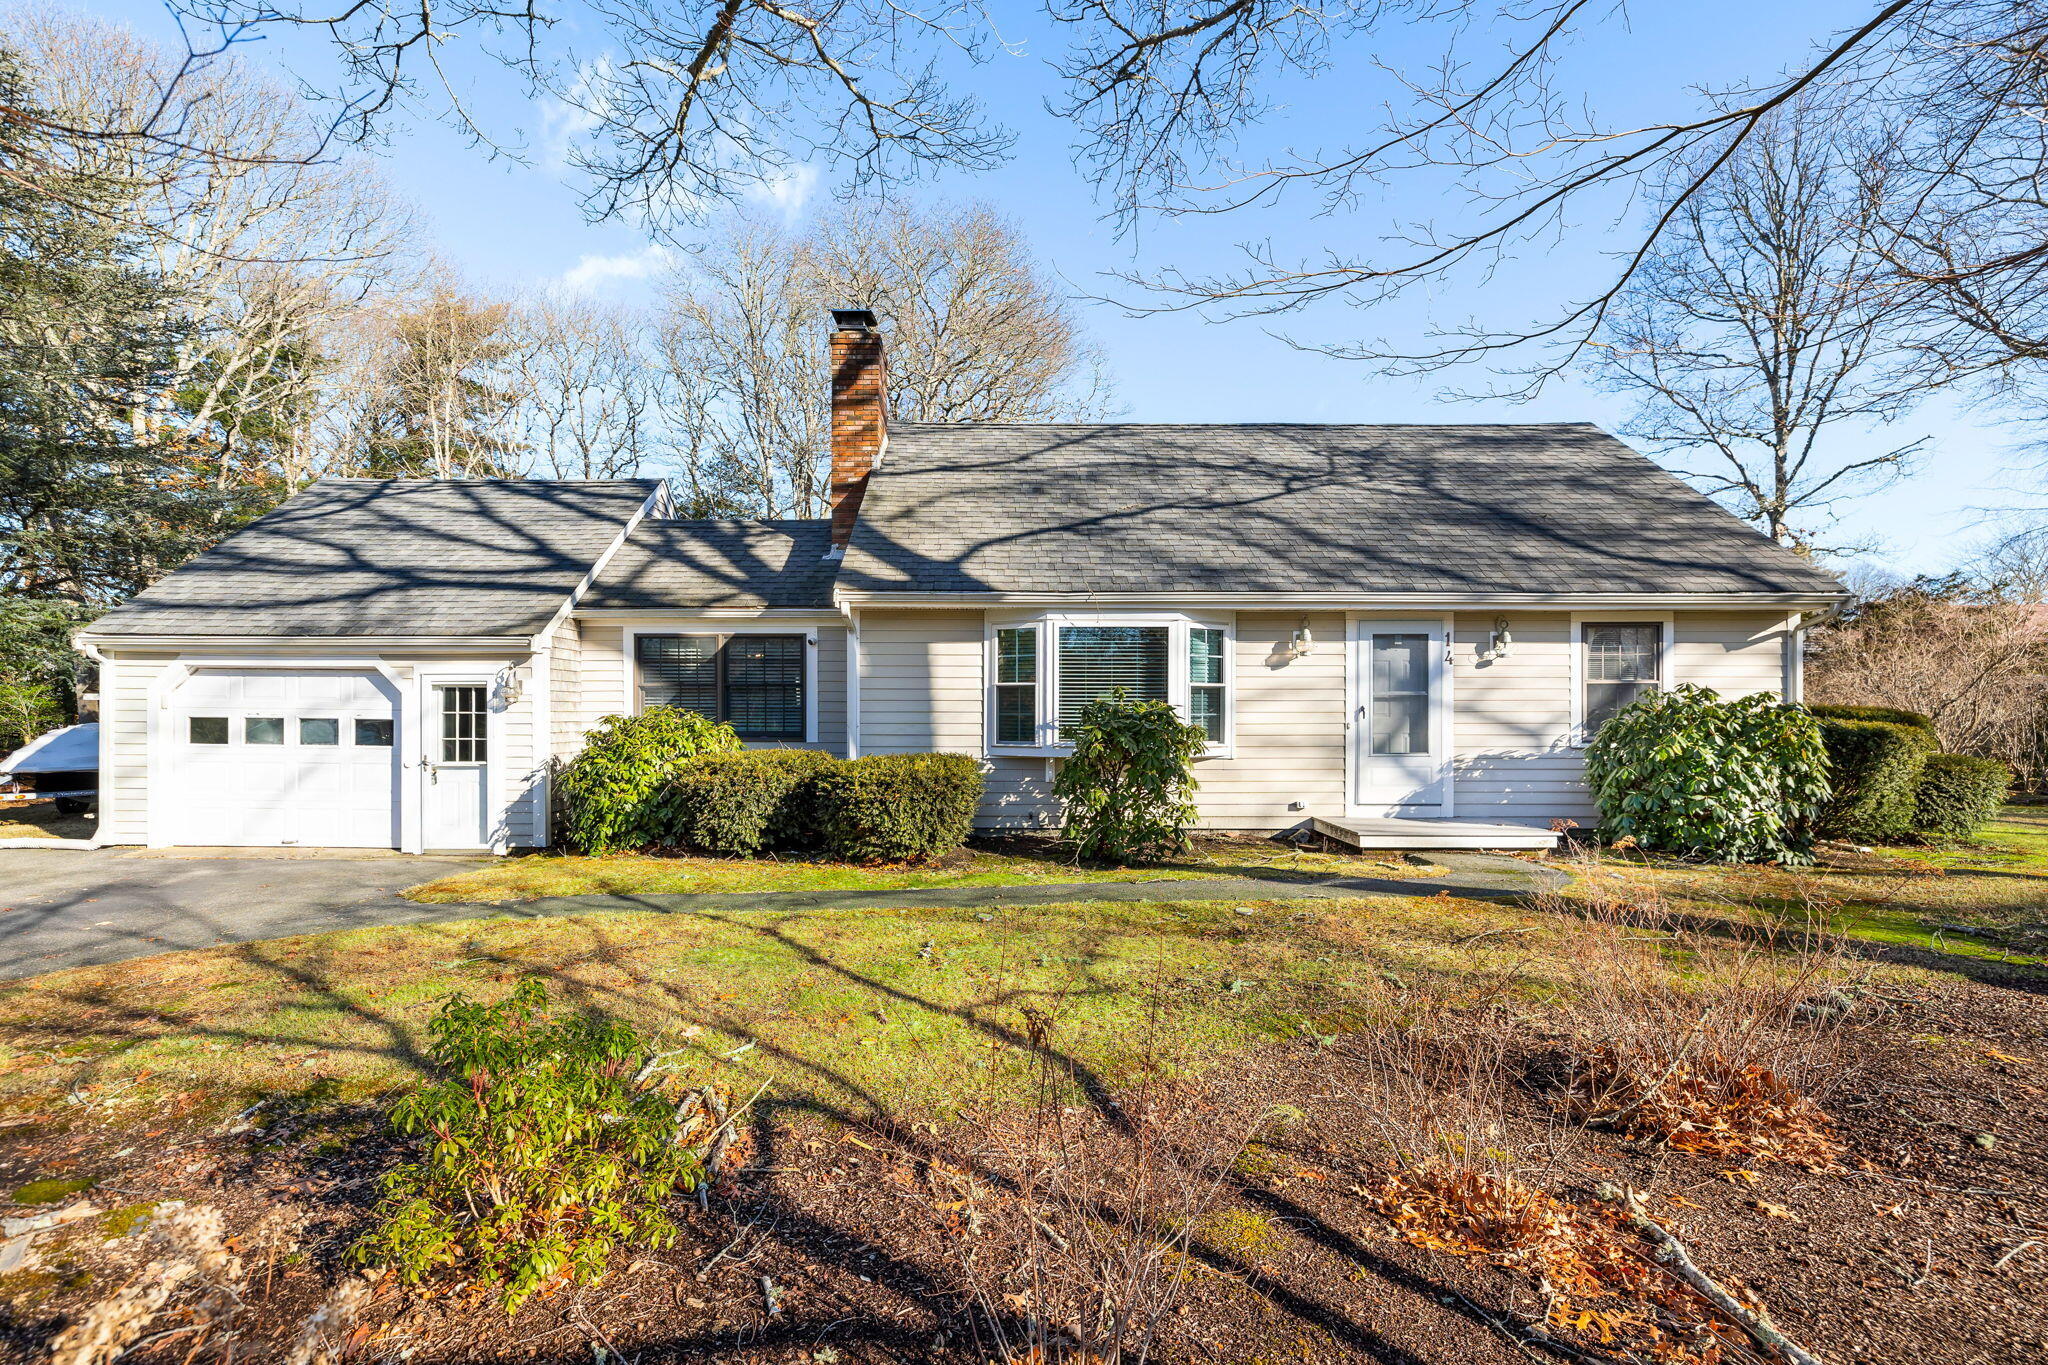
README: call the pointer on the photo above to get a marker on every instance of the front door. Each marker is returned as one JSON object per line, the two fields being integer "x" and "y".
{"x": 1401, "y": 739}
{"x": 458, "y": 767}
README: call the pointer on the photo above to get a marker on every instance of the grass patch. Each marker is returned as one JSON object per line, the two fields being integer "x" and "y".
{"x": 857, "y": 1013}
{"x": 1011, "y": 862}
{"x": 42, "y": 820}
{"x": 1986, "y": 897}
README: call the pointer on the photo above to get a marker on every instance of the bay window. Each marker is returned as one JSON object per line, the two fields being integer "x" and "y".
{"x": 755, "y": 683}
{"x": 1044, "y": 672}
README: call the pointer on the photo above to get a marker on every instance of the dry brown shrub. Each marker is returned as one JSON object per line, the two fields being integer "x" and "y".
{"x": 1695, "y": 1034}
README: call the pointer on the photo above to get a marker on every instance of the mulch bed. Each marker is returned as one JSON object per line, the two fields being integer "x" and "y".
{"x": 1916, "y": 1250}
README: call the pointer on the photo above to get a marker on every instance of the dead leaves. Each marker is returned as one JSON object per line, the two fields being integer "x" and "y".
{"x": 1705, "y": 1104}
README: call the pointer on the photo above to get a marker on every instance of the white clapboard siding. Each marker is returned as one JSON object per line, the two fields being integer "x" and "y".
{"x": 565, "y": 688}
{"x": 124, "y": 710}
{"x": 1290, "y": 727}
{"x": 920, "y": 682}
{"x": 1735, "y": 653}
{"x": 1510, "y": 754}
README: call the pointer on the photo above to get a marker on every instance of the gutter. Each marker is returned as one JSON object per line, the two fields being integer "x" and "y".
{"x": 1277, "y": 601}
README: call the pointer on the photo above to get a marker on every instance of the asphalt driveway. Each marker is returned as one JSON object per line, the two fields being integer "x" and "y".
{"x": 81, "y": 907}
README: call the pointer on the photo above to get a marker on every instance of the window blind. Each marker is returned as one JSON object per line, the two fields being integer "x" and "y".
{"x": 1097, "y": 660}
{"x": 755, "y": 683}
{"x": 1622, "y": 663}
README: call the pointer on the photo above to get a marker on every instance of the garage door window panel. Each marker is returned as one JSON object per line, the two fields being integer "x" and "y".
{"x": 207, "y": 730}
{"x": 263, "y": 729}
{"x": 319, "y": 731}
{"x": 373, "y": 733}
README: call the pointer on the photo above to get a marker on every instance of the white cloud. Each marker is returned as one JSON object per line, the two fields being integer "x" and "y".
{"x": 788, "y": 192}
{"x": 566, "y": 121}
{"x": 591, "y": 274}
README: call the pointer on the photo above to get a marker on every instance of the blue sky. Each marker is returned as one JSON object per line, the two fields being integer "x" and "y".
{"x": 508, "y": 224}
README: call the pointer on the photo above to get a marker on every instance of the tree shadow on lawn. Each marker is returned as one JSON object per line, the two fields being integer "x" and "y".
{"x": 325, "y": 1007}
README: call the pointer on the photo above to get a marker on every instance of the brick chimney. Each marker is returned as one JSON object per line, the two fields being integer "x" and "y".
{"x": 860, "y": 413}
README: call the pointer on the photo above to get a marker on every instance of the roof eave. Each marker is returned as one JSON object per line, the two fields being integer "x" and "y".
{"x": 1339, "y": 600}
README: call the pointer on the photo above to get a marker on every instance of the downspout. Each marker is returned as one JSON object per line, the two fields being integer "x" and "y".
{"x": 106, "y": 668}
{"x": 852, "y": 676}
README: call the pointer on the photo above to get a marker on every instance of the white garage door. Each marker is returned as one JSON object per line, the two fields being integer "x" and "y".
{"x": 264, "y": 757}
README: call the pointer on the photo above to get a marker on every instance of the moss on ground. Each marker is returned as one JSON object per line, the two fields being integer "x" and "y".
{"x": 858, "y": 1012}
{"x": 1008, "y": 863}
{"x": 1985, "y": 897}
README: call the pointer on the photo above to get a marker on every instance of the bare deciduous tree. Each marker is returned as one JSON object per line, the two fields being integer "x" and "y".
{"x": 1766, "y": 320}
{"x": 1967, "y": 650}
{"x": 270, "y": 247}
{"x": 976, "y": 333}
{"x": 586, "y": 387}
{"x": 434, "y": 396}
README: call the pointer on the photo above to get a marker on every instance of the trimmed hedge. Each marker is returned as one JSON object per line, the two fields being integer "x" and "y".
{"x": 619, "y": 792}
{"x": 1958, "y": 793}
{"x": 1874, "y": 768}
{"x": 1890, "y": 715}
{"x": 895, "y": 808}
{"x": 738, "y": 804}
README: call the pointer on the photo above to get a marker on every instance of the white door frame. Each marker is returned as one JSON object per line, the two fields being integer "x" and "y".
{"x": 1443, "y": 725}
{"x": 425, "y": 717}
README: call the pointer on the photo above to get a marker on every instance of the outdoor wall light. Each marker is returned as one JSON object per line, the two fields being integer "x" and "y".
{"x": 1304, "y": 640}
{"x": 1503, "y": 640}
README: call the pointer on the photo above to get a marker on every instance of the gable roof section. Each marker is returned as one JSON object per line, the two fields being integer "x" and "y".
{"x": 1059, "y": 508}
{"x": 395, "y": 557}
{"x": 674, "y": 564}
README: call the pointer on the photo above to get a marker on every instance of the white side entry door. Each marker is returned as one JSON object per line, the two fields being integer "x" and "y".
{"x": 457, "y": 766}
{"x": 1400, "y": 735}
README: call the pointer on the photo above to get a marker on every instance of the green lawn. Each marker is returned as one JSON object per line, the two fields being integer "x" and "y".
{"x": 1016, "y": 862}
{"x": 1985, "y": 897}
{"x": 858, "y": 1012}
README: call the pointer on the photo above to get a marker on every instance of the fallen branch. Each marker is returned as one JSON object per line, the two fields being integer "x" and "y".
{"x": 1671, "y": 1253}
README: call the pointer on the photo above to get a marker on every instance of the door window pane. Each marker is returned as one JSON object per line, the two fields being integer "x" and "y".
{"x": 1623, "y": 661}
{"x": 319, "y": 730}
{"x": 1017, "y": 685}
{"x": 1097, "y": 660}
{"x": 373, "y": 734}
{"x": 263, "y": 729}
{"x": 1400, "y": 694}
{"x": 463, "y": 725}
{"x": 208, "y": 730}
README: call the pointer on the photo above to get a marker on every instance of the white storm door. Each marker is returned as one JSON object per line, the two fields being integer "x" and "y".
{"x": 457, "y": 766}
{"x": 1400, "y": 734}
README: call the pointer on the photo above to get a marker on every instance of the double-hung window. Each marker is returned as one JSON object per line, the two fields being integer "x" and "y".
{"x": 755, "y": 683}
{"x": 1621, "y": 661}
{"x": 1045, "y": 672}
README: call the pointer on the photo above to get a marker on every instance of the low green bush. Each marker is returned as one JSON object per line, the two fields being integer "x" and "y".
{"x": 1874, "y": 768}
{"x": 896, "y": 808}
{"x": 619, "y": 792}
{"x": 1959, "y": 794}
{"x": 1129, "y": 789}
{"x": 736, "y": 805}
{"x": 547, "y": 1146}
{"x": 1687, "y": 772}
{"x": 1890, "y": 715}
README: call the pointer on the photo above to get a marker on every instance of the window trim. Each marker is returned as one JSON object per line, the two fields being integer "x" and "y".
{"x": 1178, "y": 625}
{"x": 1667, "y": 654}
{"x": 807, "y": 631}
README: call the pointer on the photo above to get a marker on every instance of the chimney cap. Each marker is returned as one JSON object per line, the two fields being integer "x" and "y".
{"x": 853, "y": 319}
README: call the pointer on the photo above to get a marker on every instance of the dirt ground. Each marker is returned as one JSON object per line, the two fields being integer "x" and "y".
{"x": 837, "y": 1242}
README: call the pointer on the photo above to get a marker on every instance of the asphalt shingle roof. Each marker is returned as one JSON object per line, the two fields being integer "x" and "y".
{"x": 399, "y": 557}
{"x": 718, "y": 564}
{"x": 1058, "y": 508}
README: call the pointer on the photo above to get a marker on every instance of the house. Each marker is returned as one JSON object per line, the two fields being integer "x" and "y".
{"x": 1403, "y": 631}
